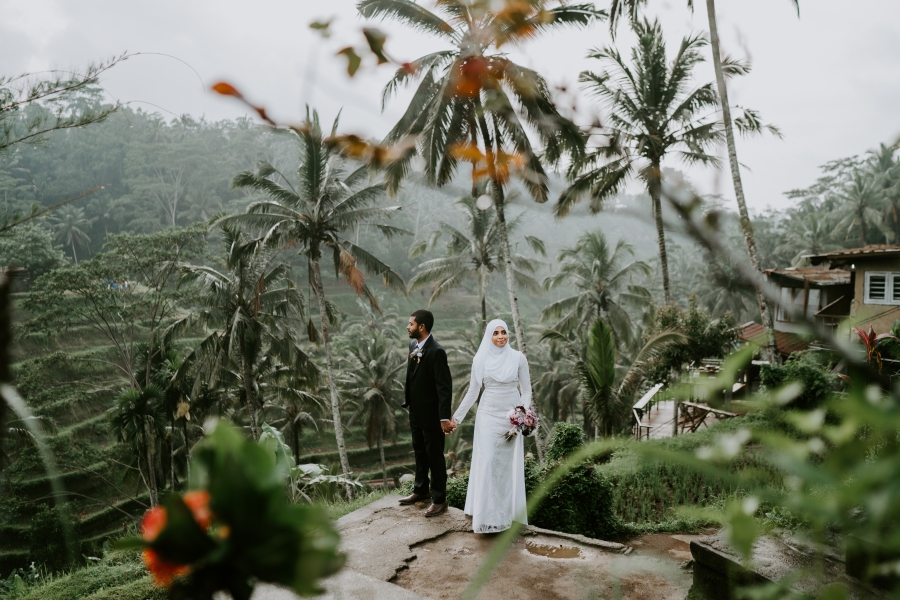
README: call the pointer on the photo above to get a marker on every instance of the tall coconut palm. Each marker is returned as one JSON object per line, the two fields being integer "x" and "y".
{"x": 653, "y": 112}
{"x": 601, "y": 279}
{"x": 860, "y": 202}
{"x": 71, "y": 227}
{"x": 473, "y": 104}
{"x": 372, "y": 380}
{"x": 139, "y": 420}
{"x": 472, "y": 253}
{"x": 748, "y": 121}
{"x": 312, "y": 215}
{"x": 253, "y": 310}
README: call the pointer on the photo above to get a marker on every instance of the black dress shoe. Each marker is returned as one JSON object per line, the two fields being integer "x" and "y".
{"x": 413, "y": 498}
{"x": 436, "y": 509}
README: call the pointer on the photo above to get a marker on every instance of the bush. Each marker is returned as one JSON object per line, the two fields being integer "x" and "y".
{"x": 565, "y": 439}
{"x": 817, "y": 381}
{"x": 582, "y": 502}
{"x": 456, "y": 490}
{"x": 46, "y": 542}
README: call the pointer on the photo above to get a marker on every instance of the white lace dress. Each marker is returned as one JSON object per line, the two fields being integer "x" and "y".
{"x": 496, "y": 493}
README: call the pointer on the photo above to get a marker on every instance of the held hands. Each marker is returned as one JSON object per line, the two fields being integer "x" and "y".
{"x": 448, "y": 426}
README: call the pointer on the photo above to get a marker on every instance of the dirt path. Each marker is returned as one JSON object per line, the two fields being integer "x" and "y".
{"x": 541, "y": 567}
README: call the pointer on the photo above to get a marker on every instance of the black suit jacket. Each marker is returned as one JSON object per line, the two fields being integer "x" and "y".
{"x": 428, "y": 388}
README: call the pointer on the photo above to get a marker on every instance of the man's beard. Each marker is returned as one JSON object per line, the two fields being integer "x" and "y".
{"x": 413, "y": 335}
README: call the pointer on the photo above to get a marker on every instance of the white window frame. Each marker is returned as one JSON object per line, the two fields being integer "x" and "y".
{"x": 890, "y": 277}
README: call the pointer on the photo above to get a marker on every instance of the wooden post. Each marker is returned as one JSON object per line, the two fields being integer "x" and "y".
{"x": 675, "y": 420}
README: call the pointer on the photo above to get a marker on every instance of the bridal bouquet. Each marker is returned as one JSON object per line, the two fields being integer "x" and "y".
{"x": 523, "y": 420}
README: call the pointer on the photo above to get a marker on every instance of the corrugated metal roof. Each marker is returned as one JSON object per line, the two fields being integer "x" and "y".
{"x": 873, "y": 250}
{"x": 785, "y": 342}
{"x": 817, "y": 275}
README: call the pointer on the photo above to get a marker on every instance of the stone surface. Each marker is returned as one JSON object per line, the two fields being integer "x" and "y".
{"x": 717, "y": 564}
{"x": 378, "y": 538}
{"x": 347, "y": 585}
{"x": 395, "y": 553}
{"x": 435, "y": 558}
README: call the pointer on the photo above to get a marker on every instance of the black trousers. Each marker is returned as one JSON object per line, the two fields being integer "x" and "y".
{"x": 428, "y": 445}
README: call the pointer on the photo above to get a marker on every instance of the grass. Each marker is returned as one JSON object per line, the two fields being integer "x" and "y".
{"x": 119, "y": 575}
{"x": 646, "y": 491}
{"x": 341, "y": 507}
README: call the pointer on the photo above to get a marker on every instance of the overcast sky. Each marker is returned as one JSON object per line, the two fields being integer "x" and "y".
{"x": 830, "y": 79}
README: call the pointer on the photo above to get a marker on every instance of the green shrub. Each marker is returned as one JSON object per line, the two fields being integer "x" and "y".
{"x": 582, "y": 501}
{"x": 46, "y": 542}
{"x": 565, "y": 439}
{"x": 646, "y": 491}
{"x": 456, "y": 490}
{"x": 817, "y": 381}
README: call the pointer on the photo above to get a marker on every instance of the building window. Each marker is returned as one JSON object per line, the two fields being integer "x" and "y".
{"x": 882, "y": 287}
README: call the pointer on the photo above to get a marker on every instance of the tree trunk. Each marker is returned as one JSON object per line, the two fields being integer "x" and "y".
{"x": 383, "y": 462}
{"x": 653, "y": 187}
{"x": 329, "y": 365}
{"x": 172, "y": 453}
{"x": 481, "y": 296}
{"x": 151, "y": 470}
{"x": 506, "y": 257}
{"x": 73, "y": 253}
{"x": 251, "y": 397}
{"x": 296, "y": 436}
{"x": 746, "y": 225}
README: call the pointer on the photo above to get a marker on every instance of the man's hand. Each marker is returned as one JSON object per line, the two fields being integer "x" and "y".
{"x": 448, "y": 426}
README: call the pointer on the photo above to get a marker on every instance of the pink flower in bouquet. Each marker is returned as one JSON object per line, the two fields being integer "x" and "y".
{"x": 529, "y": 420}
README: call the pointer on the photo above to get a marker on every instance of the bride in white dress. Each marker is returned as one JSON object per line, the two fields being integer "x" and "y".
{"x": 496, "y": 493}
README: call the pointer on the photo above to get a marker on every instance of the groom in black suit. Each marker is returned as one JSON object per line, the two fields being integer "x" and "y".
{"x": 428, "y": 398}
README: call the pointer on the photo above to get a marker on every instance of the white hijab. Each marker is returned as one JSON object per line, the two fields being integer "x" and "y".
{"x": 502, "y": 364}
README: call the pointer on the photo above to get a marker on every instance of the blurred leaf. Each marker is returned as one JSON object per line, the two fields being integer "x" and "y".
{"x": 376, "y": 39}
{"x": 353, "y": 60}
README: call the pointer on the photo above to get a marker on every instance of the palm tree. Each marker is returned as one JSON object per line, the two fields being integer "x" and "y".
{"x": 71, "y": 226}
{"x": 883, "y": 163}
{"x": 290, "y": 412}
{"x": 313, "y": 217}
{"x": 601, "y": 278}
{"x": 253, "y": 310}
{"x": 473, "y": 104}
{"x": 748, "y": 122}
{"x": 609, "y": 388}
{"x": 139, "y": 420}
{"x": 556, "y": 390}
{"x": 653, "y": 112}
{"x": 372, "y": 379}
{"x": 809, "y": 232}
{"x": 473, "y": 252}
{"x": 859, "y": 205}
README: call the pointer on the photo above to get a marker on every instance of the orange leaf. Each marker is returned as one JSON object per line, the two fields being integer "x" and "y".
{"x": 467, "y": 152}
{"x": 226, "y": 89}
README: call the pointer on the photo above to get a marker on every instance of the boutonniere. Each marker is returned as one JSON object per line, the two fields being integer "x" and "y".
{"x": 417, "y": 355}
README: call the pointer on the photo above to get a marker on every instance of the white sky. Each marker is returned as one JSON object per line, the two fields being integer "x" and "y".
{"x": 830, "y": 79}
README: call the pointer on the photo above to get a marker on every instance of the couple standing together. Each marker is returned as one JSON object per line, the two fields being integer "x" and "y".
{"x": 496, "y": 492}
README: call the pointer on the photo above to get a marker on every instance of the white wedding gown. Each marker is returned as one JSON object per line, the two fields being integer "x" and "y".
{"x": 496, "y": 493}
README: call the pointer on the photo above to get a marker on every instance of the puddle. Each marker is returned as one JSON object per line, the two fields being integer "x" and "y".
{"x": 552, "y": 551}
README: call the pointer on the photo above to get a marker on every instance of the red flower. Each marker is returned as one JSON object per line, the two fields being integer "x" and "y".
{"x": 198, "y": 502}
{"x": 163, "y": 572}
{"x": 154, "y": 522}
